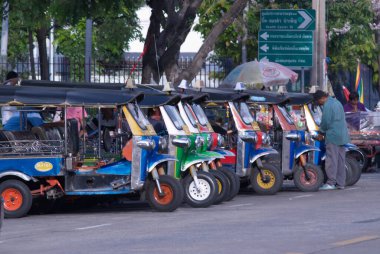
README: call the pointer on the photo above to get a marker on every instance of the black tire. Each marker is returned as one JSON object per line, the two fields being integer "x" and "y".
{"x": 269, "y": 186}
{"x": 173, "y": 198}
{"x": 355, "y": 169}
{"x": 305, "y": 185}
{"x": 209, "y": 188}
{"x": 349, "y": 173}
{"x": 224, "y": 187}
{"x": 23, "y": 190}
{"x": 234, "y": 182}
{"x": 363, "y": 162}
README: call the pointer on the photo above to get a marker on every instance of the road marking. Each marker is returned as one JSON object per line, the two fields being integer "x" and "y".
{"x": 357, "y": 240}
{"x": 355, "y": 188}
{"x": 293, "y": 253}
{"x": 96, "y": 226}
{"x": 301, "y": 196}
{"x": 239, "y": 205}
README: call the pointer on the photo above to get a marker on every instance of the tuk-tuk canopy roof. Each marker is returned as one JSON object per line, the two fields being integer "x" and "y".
{"x": 60, "y": 96}
{"x": 265, "y": 97}
{"x": 298, "y": 98}
{"x": 47, "y": 83}
{"x": 219, "y": 95}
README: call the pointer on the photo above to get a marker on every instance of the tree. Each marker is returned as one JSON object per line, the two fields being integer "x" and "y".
{"x": 170, "y": 23}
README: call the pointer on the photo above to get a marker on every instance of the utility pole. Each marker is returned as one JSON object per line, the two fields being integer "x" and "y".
{"x": 88, "y": 46}
{"x": 4, "y": 33}
{"x": 318, "y": 72}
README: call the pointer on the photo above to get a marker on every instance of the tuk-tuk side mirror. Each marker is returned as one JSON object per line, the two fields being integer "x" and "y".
{"x": 293, "y": 136}
{"x": 146, "y": 144}
{"x": 181, "y": 142}
{"x": 249, "y": 138}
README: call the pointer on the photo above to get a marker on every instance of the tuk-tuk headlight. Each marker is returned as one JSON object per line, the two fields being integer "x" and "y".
{"x": 162, "y": 144}
{"x": 249, "y": 137}
{"x": 147, "y": 144}
{"x": 209, "y": 141}
{"x": 220, "y": 140}
{"x": 313, "y": 134}
{"x": 266, "y": 139}
{"x": 181, "y": 142}
{"x": 293, "y": 136}
{"x": 198, "y": 141}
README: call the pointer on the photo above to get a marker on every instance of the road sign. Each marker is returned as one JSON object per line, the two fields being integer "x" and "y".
{"x": 284, "y": 48}
{"x": 286, "y": 36}
{"x": 288, "y": 19}
{"x": 289, "y": 60}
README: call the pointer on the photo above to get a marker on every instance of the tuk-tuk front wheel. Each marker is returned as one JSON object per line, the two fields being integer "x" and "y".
{"x": 172, "y": 194}
{"x": 355, "y": 170}
{"x": 224, "y": 187}
{"x": 310, "y": 182}
{"x": 268, "y": 182}
{"x": 207, "y": 192}
{"x": 234, "y": 182}
{"x": 17, "y": 198}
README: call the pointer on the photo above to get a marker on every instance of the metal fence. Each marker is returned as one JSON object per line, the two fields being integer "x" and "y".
{"x": 62, "y": 69}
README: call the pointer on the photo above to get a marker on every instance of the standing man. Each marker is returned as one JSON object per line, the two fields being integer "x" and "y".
{"x": 333, "y": 125}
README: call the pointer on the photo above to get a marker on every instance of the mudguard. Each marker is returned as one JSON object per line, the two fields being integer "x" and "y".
{"x": 157, "y": 159}
{"x": 194, "y": 158}
{"x": 353, "y": 148}
{"x": 211, "y": 154}
{"x": 224, "y": 152}
{"x": 301, "y": 149}
{"x": 18, "y": 174}
{"x": 258, "y": 153}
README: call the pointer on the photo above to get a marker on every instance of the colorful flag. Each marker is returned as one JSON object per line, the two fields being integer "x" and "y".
{"x": 359, "y": 85}
{"x": 346, "y": 93}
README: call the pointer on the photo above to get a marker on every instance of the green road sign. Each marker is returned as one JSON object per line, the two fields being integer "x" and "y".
{"x": 285, "y": 36}
{"x": 289, "y": 60}
{"x": 288, "y": 19}
{"x": 281, "y": 48}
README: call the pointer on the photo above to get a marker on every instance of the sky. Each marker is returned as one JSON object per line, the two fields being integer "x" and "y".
{"x": 192, "y": 43}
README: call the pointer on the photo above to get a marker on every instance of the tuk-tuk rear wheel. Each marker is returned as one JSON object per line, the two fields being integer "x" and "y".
{"x": 315, "y": 174}
{"x": 272, "y": 182}
{"x": 17, "y": 198}
{"x": 173, "y": 194}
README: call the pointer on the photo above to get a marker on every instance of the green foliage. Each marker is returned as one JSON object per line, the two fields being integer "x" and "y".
{"x": 358, "y": 43}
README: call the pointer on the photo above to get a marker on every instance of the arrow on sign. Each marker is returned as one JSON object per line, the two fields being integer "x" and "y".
{"x": 264, "y": 48}
{"x": 265, "y": 36}
{"x": 307, "y": 20}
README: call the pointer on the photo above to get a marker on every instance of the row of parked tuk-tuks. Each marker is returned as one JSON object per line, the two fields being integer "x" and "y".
{"x": 255, "y": 138}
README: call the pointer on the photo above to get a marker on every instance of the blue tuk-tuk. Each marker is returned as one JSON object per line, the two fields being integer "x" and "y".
{"x": 52, "y": 160}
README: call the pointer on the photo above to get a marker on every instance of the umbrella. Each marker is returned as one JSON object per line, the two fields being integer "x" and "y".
{"x": 260, "y": 73}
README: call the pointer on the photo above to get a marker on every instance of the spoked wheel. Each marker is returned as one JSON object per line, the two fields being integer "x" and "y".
{"x": 355, "y": 169}
{"x": 267, "y": 183}
{"x": 207, "y": 192}
{"x": 172, "y": 194}
{"x": 224, "y": 187}
{"x": 310, "y": 182}
{"x": 234, "y": 181}
{"x": 17, "y": 198}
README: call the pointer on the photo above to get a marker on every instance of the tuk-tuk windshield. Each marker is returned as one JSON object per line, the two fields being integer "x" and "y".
{"x": 138, "y": 115}
{"x": 202, "y": 118}
{"x": 316, "y": 111}
{"x": 286, "y": 114}
{"x": 190, "y": 115}
{"x": 244, "y": 112}
{"x": 174, "y": 116}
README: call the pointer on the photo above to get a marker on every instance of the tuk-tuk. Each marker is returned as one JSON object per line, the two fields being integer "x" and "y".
{"x": 310, "y": 113}
{"x": 55, "y": 162}
{"x": 198, "y": 124}
{"x": 195, "y": 116}
{"x": 288, "y": 140}
{"x": 246, "y": 142}
{"x": 191, "y": 166}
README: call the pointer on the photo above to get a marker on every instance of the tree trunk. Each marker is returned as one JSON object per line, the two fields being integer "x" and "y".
{"x": 209, "y": 42}
{"x": 164, "y": 47}
{"x": 41, "y": 34}
{"x": 31, "y": 55}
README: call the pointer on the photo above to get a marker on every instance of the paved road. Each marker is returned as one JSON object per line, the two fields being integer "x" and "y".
{"x": 291, "y": 222}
